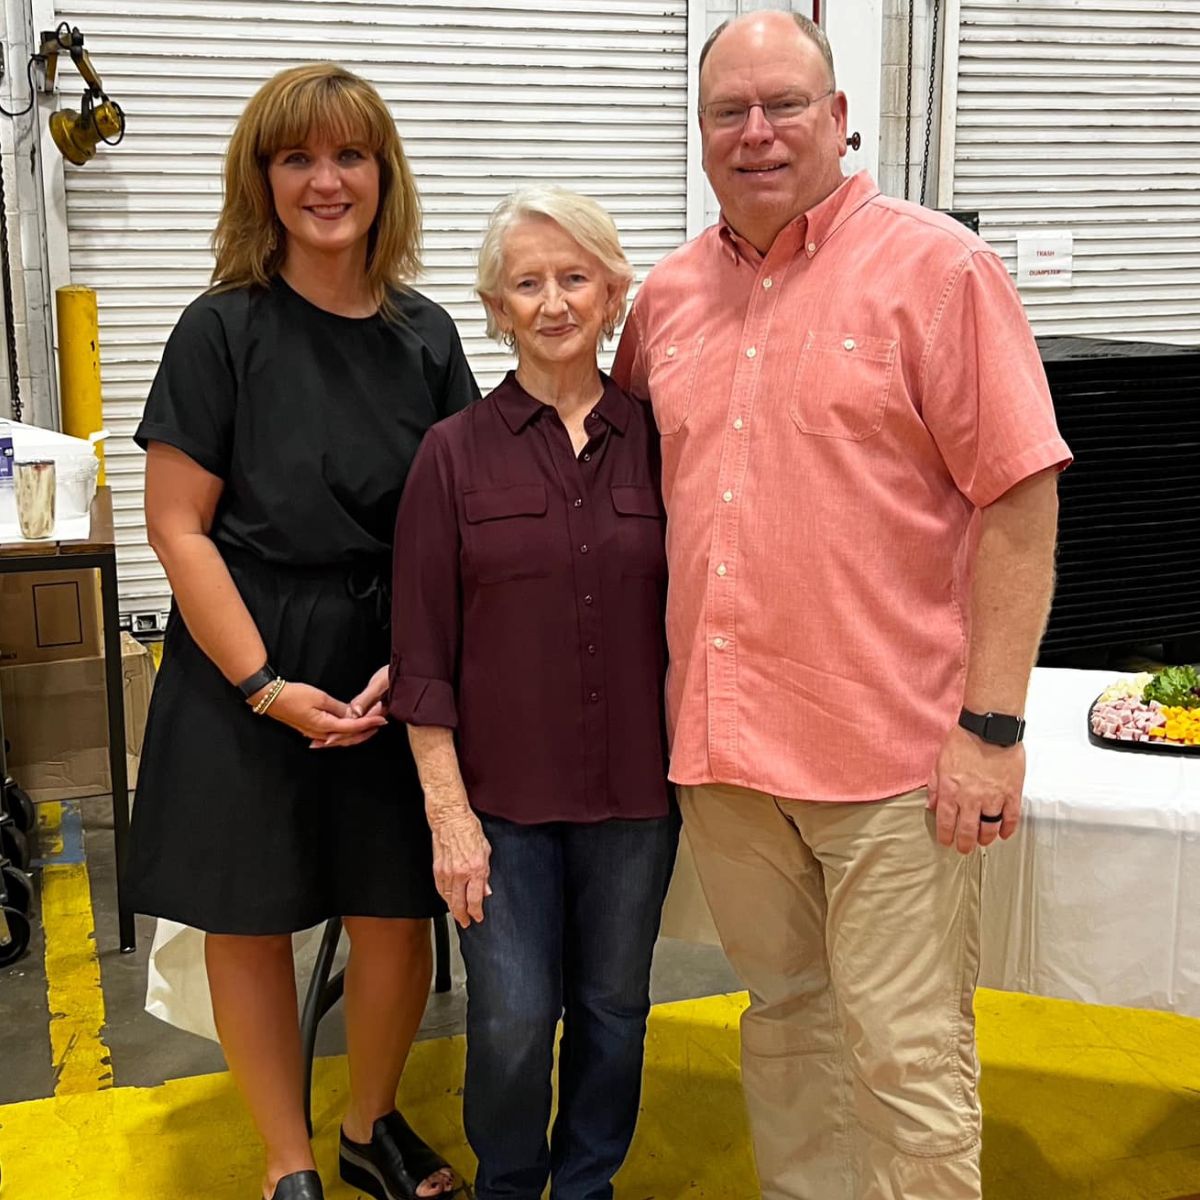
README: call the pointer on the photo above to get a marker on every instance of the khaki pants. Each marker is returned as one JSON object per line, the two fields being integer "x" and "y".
{"x": 857, "y": 936}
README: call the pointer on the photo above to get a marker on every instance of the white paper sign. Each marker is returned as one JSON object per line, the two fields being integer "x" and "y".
{"x": 1044, "y": 259}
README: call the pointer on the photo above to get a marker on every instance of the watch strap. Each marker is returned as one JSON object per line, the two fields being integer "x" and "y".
{"x": 256, "y": 682}
{"x": 998, "y": 729}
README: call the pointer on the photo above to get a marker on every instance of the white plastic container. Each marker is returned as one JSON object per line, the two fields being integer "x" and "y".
{"x": 75, "y": 464}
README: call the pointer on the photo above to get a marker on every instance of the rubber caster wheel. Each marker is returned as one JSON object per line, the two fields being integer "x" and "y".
{"x": 20, "y": 807}
{"x": 14, "y": 935}
{"x": 14, "y": 846}
{"x": 18, "y": 888}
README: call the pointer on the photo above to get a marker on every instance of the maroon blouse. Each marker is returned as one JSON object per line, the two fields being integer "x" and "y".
{"x": 529, "y": 588}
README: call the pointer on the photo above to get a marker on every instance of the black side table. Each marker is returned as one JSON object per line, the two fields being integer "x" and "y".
{"x": 98, "y": 550}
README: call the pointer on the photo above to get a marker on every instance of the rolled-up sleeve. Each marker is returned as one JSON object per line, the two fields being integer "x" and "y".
{"x": 426, "y": 594}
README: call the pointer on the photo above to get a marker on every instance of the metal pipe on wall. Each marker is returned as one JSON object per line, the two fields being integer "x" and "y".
{"x": 79, "y": 364}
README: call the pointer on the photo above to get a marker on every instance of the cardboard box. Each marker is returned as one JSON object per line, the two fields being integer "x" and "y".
{"x": 48, "y": 616}
{"x": 56, "y": 720}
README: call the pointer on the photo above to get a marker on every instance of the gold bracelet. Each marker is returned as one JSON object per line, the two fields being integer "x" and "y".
{"x": 272, "y": 694}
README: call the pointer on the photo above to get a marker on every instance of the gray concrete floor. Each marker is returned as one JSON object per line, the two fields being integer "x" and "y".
{"x": 145, "y": 1051}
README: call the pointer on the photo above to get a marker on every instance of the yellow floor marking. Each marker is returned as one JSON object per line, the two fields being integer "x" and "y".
{"x": 1081, "y": 1103}
{"x": 73, "y": 994}
{"x": 50, "y": 841}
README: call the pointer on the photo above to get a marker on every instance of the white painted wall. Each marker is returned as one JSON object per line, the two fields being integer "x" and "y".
{"x": 21, "y": 153}
{"x": 855, "y": 32}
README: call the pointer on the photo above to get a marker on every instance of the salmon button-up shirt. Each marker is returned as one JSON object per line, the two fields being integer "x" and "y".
{"x": 833, "y": 415}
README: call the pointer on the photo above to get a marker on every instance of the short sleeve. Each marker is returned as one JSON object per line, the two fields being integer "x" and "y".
{"x": 426, "y": 593}
{"x": 193, "y": 398}
{"x": 459, "y": 388}
{"x": 984, "y": 395}
{"x": 628, "y": 369}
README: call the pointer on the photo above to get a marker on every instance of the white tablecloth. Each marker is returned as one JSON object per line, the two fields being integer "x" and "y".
{"x": 1097, "y": 897}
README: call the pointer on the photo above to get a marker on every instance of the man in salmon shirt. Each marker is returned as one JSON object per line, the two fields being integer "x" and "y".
{"x": 859, "y": 465}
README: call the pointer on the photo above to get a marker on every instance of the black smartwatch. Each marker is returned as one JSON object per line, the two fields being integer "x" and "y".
{"x": 259, "y": 680}
{"x": 1000, "y": 729}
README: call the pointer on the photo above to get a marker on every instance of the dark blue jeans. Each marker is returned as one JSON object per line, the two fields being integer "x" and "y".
{"x": 568, "y": 931}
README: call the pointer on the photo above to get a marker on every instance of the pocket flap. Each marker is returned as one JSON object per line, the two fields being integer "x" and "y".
{"x": 851, "y": 346}
{"x": 491, "y": 504}
{"x": 635, "y": 500}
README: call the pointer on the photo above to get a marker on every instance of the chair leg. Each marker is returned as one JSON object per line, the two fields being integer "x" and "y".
{"x": 317, "y": 1002}
{"x": 441, "y": 944}
{"x": 325, "y": 991}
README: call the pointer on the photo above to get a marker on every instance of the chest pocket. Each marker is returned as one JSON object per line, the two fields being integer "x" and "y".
{"x": 506, "y": 533}
{"x": 641, "y": 530}
{"x": 842, "y": 385}
{"x": 671, "y": 380}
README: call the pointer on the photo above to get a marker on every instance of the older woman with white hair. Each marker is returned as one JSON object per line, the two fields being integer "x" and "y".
{"x": 528, "y": 660}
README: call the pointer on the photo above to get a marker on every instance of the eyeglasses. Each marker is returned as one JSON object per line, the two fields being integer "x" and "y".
{"x": 779, "y": 111}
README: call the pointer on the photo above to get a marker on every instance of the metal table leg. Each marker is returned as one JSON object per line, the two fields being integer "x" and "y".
{"x": 114, "y": 680}
{"x": 441, "y": 944}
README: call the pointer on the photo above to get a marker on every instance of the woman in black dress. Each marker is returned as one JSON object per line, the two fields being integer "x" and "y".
{"x": 289, "y": 404}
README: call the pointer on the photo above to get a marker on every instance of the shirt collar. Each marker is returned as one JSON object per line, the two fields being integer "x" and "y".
{"x": 519, "y": 408}
{"x": 811, "y": 229}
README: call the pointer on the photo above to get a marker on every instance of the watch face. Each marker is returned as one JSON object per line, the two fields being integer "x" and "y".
{"x": 999, "y": 729}
{"x": 1002, "y": 730}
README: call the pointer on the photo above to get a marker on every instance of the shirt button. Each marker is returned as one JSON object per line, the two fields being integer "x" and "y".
{"x": 591, "y": 648}
{"x": 670, "y": 351}
{"x": 767, "y": 283}
{"x": 751, "y": 352}
{"x": 587, "y": 599}
{"x": 721, "y": 569}
{"x": 594, "y": 697}
{"x": 849, "y": 343}
{"x": 587, "y": 458}
{"x": 727, "y": 496}
{"x": 737, "y": 424}
{"x": 812, "y": 247}
{"x": 578, "y": 501}
{"x": 583, "y": 548}
{"x": 719, "y": 643}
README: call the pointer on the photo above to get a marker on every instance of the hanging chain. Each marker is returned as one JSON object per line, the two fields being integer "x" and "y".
{"x": 908, "y": 100}
{"x": 933, "y": 70}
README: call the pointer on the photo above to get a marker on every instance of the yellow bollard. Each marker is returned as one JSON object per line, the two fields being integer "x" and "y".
{"x": 79, "y": 364}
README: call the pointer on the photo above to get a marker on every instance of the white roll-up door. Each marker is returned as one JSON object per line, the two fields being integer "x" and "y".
{"x": 486, "y": 94}
{"x": 1084, "y": 116}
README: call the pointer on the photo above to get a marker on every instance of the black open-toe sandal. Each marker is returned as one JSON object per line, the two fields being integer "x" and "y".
{"x": 394, "y": 1163}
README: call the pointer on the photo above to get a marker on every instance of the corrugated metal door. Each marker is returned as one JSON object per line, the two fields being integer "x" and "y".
{"x": 486, "y": 94}
{"x": 1084, "y": 115}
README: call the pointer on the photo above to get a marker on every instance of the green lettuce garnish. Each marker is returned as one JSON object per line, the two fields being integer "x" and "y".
{"x": 1176, "y": 687}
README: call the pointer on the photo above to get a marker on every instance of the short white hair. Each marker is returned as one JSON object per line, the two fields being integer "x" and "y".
{"x": 580, "y": 216}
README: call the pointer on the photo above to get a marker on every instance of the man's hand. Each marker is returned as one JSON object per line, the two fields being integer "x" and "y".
{"x": 973, "y": 777}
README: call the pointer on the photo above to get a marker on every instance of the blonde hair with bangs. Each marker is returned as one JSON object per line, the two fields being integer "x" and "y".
{"x": 321, "y": 99}
{"x": 581, "y": 217}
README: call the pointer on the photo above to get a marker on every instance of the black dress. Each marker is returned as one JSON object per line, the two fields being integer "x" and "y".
{"x": 312, "y": 421}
